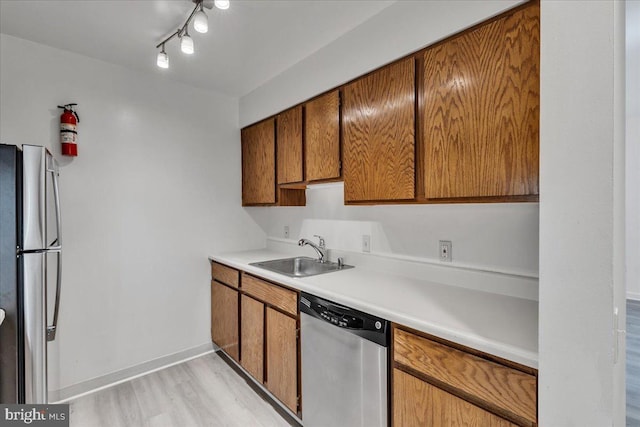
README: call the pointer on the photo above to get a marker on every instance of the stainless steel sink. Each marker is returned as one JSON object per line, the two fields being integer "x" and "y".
{"x": 300, "y": 266}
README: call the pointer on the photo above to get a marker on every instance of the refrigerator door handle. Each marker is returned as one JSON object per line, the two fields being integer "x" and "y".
{"x": 56, "y": 197}
{"x": 51, "y": 330}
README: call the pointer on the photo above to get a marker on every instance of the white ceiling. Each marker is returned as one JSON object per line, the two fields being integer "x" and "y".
{"x": 247, "y": 45}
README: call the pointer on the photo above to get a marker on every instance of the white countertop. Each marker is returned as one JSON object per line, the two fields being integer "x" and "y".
{"x": 502, "y": 325}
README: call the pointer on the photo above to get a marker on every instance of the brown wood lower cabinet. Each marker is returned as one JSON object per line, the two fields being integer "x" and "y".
{"x": 252, "y": 337}
{"x": 224, "y": 318}
{"x": 282, "y": 357}
{"x": 417, "y": 403}
{"x": 435, "y": 383}
{"x": 269, "y": 338}
{"x": 443, "y": 384}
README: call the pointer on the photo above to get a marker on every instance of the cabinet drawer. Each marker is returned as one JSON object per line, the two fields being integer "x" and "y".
{"x": 224, "y": 274}
{"x": 281, "y": 298}
{"x": 497, "y": 386}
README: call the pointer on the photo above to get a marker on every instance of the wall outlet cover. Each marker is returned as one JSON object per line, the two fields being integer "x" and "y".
{"x": 445, "y": 250}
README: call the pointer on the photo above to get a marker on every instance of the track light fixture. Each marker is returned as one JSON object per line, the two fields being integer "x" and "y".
{"x": 200, "y": 24}
{"x": 163, "y": 59}
{"x": 186, "y": 43}
{"x": 200, "y": 21}
{"x": 222, "y": 4}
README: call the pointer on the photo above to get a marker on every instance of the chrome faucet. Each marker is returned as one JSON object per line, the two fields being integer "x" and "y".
{"x": 320, "y": 248}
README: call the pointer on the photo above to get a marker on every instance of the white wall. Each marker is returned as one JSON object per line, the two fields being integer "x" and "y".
{"x": 580, "y": 212}
{"x": 154, "y": 191}
{"x": 633, "y": 148}
{"x": 492, "y": 236}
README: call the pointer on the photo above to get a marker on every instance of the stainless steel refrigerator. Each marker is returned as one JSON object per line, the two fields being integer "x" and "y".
{"x": 30, "y": 270}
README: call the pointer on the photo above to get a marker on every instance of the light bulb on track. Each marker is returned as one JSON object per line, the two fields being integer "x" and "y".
{"x": 222, "y": 4}
{"x": 200, "y": 21}
{"x": 163, "y": 59}
{"x": 186, "y": 44}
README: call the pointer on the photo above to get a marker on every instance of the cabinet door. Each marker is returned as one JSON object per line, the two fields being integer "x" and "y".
{"x": 322, "y": 137}
{"x": 258, "y": 164}
{"x": 420, "y": 404}
{"x": 379, "y": 144}
{"x": 496, "y": 385}
{"x": 224, "y": 318}
{"x": 282, "y": 358}
{"x": 481, "y": 110}
{"x": 252, "y": 336}
{"x": 289, "y": 142}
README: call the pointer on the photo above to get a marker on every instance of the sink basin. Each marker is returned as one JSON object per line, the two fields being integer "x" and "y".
{"x": 300, "y": 266}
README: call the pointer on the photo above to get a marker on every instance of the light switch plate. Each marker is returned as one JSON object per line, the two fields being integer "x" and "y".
{"x": 366, "y": 243}
{"x": 445, "y": 250}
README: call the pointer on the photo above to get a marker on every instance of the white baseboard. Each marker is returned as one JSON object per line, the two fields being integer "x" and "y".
{"x": 633, "y": 296}
{"x": 126, "y": 374}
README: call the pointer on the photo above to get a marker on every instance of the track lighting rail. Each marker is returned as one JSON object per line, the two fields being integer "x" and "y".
{"x": 180, "y": 31}
{"x": 200, "y": 24}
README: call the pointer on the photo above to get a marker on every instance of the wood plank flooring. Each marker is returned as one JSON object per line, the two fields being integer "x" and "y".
{"x": 200, "y": 392}
{"x": 633, "y": 363}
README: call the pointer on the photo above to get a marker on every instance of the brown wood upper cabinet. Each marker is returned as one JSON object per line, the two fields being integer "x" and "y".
{"x": 258, "y": 164}
{"x": 289, "y": 143}
{"x": 322, "y": 137}
{"x": 480, "y": 104}
{"x": 475, "y": 136}
{"x": 378, "y": 119}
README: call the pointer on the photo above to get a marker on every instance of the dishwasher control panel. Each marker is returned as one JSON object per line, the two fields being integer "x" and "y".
{"x": 342, "y": 320}
{"x": 365, "y": 325}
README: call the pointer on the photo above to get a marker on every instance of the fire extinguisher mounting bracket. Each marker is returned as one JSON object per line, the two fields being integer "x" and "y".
{"x": 69, "y": 107}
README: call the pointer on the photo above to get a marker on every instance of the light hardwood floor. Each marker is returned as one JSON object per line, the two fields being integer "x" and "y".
{"x": 197, "y": 393}
{"x": 633, "y": 363}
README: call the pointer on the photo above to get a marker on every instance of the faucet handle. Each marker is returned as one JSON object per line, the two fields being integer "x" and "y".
{"x": 321, "y": 239}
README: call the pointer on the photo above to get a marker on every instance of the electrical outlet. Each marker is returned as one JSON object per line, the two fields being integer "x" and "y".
{"x": 445, "y": 251}
{"x": 366, "y": 243}
{"x": 286, "y": 231}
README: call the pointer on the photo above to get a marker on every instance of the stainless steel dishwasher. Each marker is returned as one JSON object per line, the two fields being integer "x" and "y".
{"x": 344, "y": 365}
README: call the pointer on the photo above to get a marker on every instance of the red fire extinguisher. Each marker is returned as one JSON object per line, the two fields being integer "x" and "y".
{"x": 68, "y": 130}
